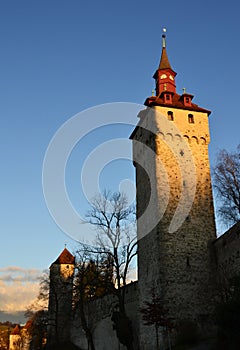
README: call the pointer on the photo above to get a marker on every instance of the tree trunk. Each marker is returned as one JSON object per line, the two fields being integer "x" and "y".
{"x": 85, "y": 326}
{"x": 157, "y": 337}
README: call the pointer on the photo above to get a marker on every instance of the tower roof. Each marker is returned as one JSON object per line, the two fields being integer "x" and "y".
{"x": 16, "y": 330}
{"x": 177, "y": 102}
{"x": 164, "y": 61}
{"x": 65, "y": 258}
{"x": 164, "y": 75}
{"x": 166, "y": 93}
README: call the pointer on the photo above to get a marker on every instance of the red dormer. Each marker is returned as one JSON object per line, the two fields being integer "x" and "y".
{"x": 186, "y": 98}
{"x": 164, "y": 75}
{"x": 167, "y": 96}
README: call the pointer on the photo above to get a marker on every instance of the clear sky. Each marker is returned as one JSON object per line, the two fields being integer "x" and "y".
{"x": 59, "y": 58}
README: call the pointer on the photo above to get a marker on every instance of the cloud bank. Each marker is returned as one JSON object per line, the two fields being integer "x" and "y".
{"x": 18, "y": 288}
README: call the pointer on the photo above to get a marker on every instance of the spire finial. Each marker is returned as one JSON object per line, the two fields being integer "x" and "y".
{"x": 164, "y": 37}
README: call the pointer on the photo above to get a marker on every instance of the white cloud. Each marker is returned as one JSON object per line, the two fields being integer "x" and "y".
{"x": 15, "y": 273}
{"x": 19, "y": 288}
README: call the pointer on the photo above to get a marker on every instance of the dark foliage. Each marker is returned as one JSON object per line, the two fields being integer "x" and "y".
{"x": 187, "y": 333}
{"x": 123, "y": 327}
{"x": 228, "y": 318}
{"x": 155, "y": 314}
{"x": 62, "y": 346}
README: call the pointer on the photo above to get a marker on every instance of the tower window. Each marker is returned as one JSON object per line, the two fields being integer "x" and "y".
{"x": 190, "y": 119}
{"x": 170, "y": 115}
{"x": 167, "y": 98}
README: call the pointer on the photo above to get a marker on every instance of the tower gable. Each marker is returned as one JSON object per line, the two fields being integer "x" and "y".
{"x": 65, "y": 258}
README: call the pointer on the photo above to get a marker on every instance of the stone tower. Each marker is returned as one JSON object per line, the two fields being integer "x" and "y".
{"x": 60, "y": 298}
{"x": 175, "y": 211}
{"x": 15, "y": 339}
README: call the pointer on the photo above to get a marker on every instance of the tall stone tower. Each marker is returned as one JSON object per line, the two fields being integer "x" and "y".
{"x": 60, "y": 298}
{"x": 175, "y": 211}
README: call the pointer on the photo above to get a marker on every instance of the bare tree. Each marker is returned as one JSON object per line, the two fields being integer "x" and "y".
{"x": 41, "y": 302}
{"x": 114, "y": 221}
{"x": 116, "y": 236}
{"x": 227, "y": 185}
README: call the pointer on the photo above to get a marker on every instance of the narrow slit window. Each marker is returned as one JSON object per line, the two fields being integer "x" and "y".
{"x": 170, "y": 115}
{"x": 190, "y": 119}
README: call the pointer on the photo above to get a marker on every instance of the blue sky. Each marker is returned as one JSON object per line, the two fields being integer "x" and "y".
{"x": 60, "y": 57}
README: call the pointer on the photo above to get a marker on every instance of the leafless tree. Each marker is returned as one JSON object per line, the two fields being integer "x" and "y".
{"x": 41, "y": 302}
{"x": 227, "y": 185}
{"x": 114, "y": 221}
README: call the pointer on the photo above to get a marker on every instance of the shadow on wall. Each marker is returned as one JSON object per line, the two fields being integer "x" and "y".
{"x": 62, "y": 346}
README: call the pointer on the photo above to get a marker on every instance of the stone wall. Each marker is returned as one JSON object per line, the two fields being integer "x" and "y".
{"x": 99, "y": 313}
{"x": 227, "y": 250}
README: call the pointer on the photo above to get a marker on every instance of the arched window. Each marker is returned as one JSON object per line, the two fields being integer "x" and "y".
{"x": 190, "y": 119}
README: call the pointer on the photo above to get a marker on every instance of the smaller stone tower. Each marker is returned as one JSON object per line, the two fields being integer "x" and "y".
{"x": 60, "y": 298}
{"x": 15, "y": 341}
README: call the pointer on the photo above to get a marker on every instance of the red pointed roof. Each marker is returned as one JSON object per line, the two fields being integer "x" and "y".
{"x": 65, "y": 258}
{"x": 164, "y": 61}
{"x": 165, "y": 84}
{"x": 28, "y": 324}
{"x": 177, "y": 102}
{"x": 164, "y": 75}
{"x": 16, "y": 330}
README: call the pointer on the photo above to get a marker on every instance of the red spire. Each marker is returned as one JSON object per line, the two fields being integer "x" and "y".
{"x": 164, "y": 62}
{"x": 164, "y": 75}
